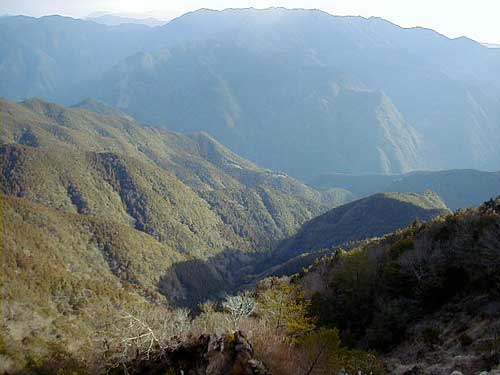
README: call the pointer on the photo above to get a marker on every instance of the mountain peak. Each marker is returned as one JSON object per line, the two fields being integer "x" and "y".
{"x": 99, "y": 107}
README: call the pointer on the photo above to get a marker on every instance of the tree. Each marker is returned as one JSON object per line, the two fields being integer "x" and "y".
{"x": 239, "y": 307}
{"x": 318, "y": 351}
{"x": 321, "y": 353}
{"x": 284, "y": 306}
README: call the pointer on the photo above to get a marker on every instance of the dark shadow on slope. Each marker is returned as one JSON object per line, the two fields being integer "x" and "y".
{"x": 189, "y": 283}
{"x": 345, "y": 226}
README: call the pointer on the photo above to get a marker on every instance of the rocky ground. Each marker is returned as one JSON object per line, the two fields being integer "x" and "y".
{"x": 204, "y": 355}
{"x": 461, "y": 338}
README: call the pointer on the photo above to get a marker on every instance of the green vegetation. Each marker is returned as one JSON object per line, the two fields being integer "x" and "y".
{"x": 103, "y": 217}
{"x": 373, "y": 216}
{"x": 284, "y": 306}
{"x": 110, "y": 226}
{"x": 377, "y": 292}
{"x": 63, "y": 281}
{"x": 251, "y": 206}
{"x": 321, "y": 353}
{"x": 284, "y": 336}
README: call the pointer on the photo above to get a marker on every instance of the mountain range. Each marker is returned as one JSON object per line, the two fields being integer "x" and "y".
{"x": 299, "y": 91}
{"x": 199, "y": 203}
{"x": 192, "y": 196}
{"x": 459, "y": 188}
{"x": 247, "y": 190}
{"x": 112, "y": 19}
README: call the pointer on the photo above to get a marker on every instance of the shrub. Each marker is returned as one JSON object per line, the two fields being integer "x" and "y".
{"x": 320, "y": 352}
{"x": 465, "y": 340}
{"x": 389, "y": 324}
{"x": 239, "y": 307}
{"x": 284, "y": 307}
{"x": 430, "y": 336}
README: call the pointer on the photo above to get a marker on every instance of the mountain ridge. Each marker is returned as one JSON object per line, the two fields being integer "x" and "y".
{"x": 459, "y": 188}
{"x": 353, "y": 222}
{"x": 455, "y": 92}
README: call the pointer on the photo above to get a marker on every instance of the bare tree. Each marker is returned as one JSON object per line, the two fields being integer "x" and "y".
{"x": 143, "y": 333}
{"x": 141, "y": 337}
{"x": 239, "y": 307}
{"x": 176, "y": 325}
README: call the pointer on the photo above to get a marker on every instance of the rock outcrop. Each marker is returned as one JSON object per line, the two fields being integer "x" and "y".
{"x": 205, "y": 355}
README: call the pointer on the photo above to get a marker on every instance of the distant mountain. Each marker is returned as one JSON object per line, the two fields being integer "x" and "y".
{"x": 52, "y": 56}
{"x": 491, "y": 45}
{"x": 100, "y": 108}
{"x": 115, "y": 20}
{"x": 389, "y": 144}
{"x": 299, "y": 91}
{"x": 461, "y": 188}
{"x": 311, "y": 104}
{"x": 373, "y": 216}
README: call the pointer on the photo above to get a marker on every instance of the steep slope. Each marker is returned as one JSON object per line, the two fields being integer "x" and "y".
{"x": 294, "y": 90}
{"x": 189, "y": 193}
{"x": 50, "y": 56}
{"x": 373, "y": 216}
{"x": 67, "y": 279}
{"x": 460, "y": 188}
{"x": 104, "y": 218}
{"x": 256, "y": 204}
{"x": 427, "y": 296}
{"x": 118, "y": 189}
{"x": 322, "y": 117}
{"x": 99, "y": 107}
{"x": 328, "y": 88}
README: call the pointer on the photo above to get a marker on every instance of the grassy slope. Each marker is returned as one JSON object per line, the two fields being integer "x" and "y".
{"x": 66, "y": 276}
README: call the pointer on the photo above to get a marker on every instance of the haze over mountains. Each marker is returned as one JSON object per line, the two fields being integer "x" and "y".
{"x": 157, "y": 182}
{"x": 348, "y": 226}
{"x": 112, "y": 19}
{"x": 459, "y": 188}
{"x": 277, "y": 86}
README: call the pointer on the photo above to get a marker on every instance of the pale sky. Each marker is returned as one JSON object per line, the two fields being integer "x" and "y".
{"x": 476, "y": 19}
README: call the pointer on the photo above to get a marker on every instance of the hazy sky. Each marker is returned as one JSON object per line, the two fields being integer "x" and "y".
{"x": 477, "y": 19}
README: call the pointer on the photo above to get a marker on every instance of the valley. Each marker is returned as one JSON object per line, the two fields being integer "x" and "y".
{"x": 247, "y": 191}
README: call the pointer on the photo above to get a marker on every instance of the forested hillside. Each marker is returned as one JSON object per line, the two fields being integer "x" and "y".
{"x": 373, "y": 216}
{"x": 104, "y": 215}
{"x": 246, "y": 192}
{"x": 426, "y": 296}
